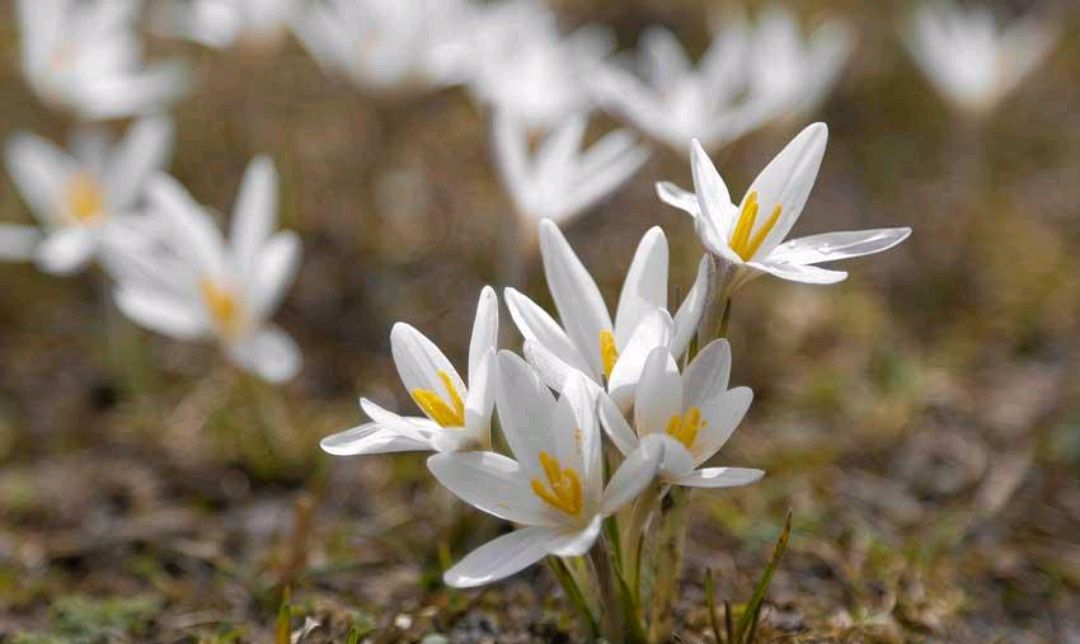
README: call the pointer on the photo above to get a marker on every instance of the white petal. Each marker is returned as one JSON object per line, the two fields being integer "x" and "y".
{"x": 480, "y": 401}
{"x": 525, "y": 407}
{"x": 801, "y": 273}
{"x": 654, "y": 331}
{"x": 197, "y": 238}
{"x": 269, "y": 353}
{"x": 500, "y": 558}
{"x": 717, "y": 477}
{"x": 708, "y": 373}
{"x": 18, "y": 243}
{"x": 830, "y": 247}
{"x": 659, "y": 395}
{"x": 575, "y": 543}
{"x": 66, "y": 250}
{"x": 645, "y": 288}
{"x": 161, "y": 313}
{"x": 714, "y": 201}
{"x": 275, "y": 267}
{"x": 536, "y": 325}
{"x": 419, "y": 362}
{"x": 548, "y": 366}
{"x": 370, "y": 438}
{"x": 673, "y": 195}
{"x": 687, "y": 318}
{"x": 40, "y": 171}
{"x": 492, "y": 483}
{"x": 145, "y": 149}
{"x": 634, "y": 475}
{"x": 485, "y": 331}
{"x": 418, "y": 429}
{"x": 512, "y": 158}
{"x": 721, "y": 415}
{"x": 581, "y": 307}
{"x": 255, "y": 213}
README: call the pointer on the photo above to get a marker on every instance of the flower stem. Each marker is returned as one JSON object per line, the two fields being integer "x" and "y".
{"x": 611, "y": 617}
{"x": 574, "y": 595}
{"x": 668, "y": 562}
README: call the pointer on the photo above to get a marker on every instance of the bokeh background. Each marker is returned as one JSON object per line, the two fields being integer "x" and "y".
{"x": 921, "y": 419}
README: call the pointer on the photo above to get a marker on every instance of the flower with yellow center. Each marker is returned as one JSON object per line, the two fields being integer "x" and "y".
{"x": 84, "y": 200}
{"x": 685, "y": 418}
{"x": 749, "y": 239}
{"x": 457, "y": 417}
{"x": 587, "y": 341}
{"x": 553, "y": 486}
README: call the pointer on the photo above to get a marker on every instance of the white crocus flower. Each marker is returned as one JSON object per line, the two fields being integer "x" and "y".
{"x": 387, "y": 45}
{"x": 786, "y": 68}
{"x": 748, "y": 238}
{"x": 224, "y": 23}
{"x": 84, "y": 199}
{"x": 522, "y": 65}
{"x": 554, "y": 485}
{"x": 560, "y": 180}
{"x": 675, "y": 102}
{"x": 611, "y": 355}
{"x": 689, "y": 417}
{"x": 200, "y": 286}
{"x": 970, "y": 59}
{"x": 86, "y": 57}
{"x": 458, "y": 417}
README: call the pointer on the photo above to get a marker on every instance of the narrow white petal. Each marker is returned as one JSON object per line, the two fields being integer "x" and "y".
{"x": 158, "y": 312}
{"x": 255, "y": 213}
{"x": 620, "y": 432}
{"x": 708, "y": 373}
{"x": 654, "y": 331}
{"x": 370, "y": 438}
{"x": 548, "y": 366}
{"x": 419, "y": 362}
{"x": 66, "y": 250}
{"x": 40, "y": 171}
{"x": 673, "y": 195}
{"x": 829, "y": 247}
{"x": 500, "y": 558}
{"x": 714, "y": 201}
{"x": 416, "y": 428}
{"x": 485, "y": 331}
{"x": 525, "y": 407}
{"x": 659, "y": 395}
{"x": 196, "y": 237}
{"x": 269, "y": 353}
{"x": 274, "y": 271}
{"x": 480, "y": 401}
{"x": 536, "y": 325}
{"x": 718, "y": 477}
{"x": 574, "y": 543}
{"x": 687, "y": 318}
{"x": 492, "y": 483}
{"x": 645, "y": 288}
{"x": 721, "y": 415}
{"x": 144, "y": 150}
{"x": 634, "y": 475}
{"x": 801, "y": 273}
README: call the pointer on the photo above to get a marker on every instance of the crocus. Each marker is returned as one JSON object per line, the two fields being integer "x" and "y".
{"x": 389, "y": 45}
{"x": 687, "y": 417}
{"x": 971, "y": 60}
{"x": 456, "y": 417}
{"x": 560, "y": 180}
{"x": 748, "y": 239}
{"x": 609, "y": 354}
{"x": 83, "y": 200}
{"x": 87, "y": 58}
{"x": 554, "y": 485}
{"x": 224, "y": 23}
{"x": 201, "y": 286}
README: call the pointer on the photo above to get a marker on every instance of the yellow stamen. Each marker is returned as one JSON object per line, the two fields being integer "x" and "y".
{"x": 450, "y": 414}
{"x": 741, "y": 241}
{"x": 684, "y": 428}
{"x": 223, "y": 307}
{"x": 85, "y": 200}
{"x": 563, "y": 489}
{"x": 609, "y": 353}
{"x": 755, "y": 243}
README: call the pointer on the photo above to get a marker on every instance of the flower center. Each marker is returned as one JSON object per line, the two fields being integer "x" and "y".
{"x": 684, "y": 428}
{"x": 609, "y": 353}
{"x": 741, "y": 241}
{"x": 447, "y": 414}
{"x": 224, "y": 309}
{"x": 563, "y": 488}
{"x": 84, "y": 199}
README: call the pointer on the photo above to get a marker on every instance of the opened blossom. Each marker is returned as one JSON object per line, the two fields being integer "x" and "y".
{"x": 553, "y": 486}
{"x": 610, "y": 353}
{"x": 748, "y": 239}
{"x": 85, "y": 199}
{"x": 456, "y": 416}
{"x": 684, "y": 419}
{"x": 224, "y": 23}
{"x": 195, "y": 284}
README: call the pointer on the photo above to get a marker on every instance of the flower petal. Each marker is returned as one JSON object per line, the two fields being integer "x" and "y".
{"x": 645, "y": 288}
{"x": 269, "y": 353}
{"x": 687, "y": 318}
{"x": 254, "y": 214}
{"x": 419, "y": 362}
{"x": 576, "y": 542}
{"x": 659, "y": 395}
{"x": 500, "y": 558}
{"x": 722, "y": 415}
{"x": 157, "y": 312}
{"x": 480, "y": 401}
{"x": 418, "y": 429}
{"x": 18, "y": 243}
{"x": 634, "y": 475}
{"x": 708, "y": 374}
{"x": 39, "y": 170}
{"x": 525, "y": 407}
{"x": 714, "y": 201}
{"x": 485, "y": 330}
{"x": 66, "y": 250}
{"x": 492, "y": 483}
{"x": 801, "y": 273}
{"x": 274, "y": 271}
{"x": 145, "y": 148}
{"x": 615, "y": 425}
{"x": 197, "y": 238}
{"x": 370, "y": 438}
{"x": 717, "y": 477}
{"x": 654, "y": 331}
{"x": 829, "y": 247}
{"x": 673, "y": 195}
{"x": 537, "y": 326}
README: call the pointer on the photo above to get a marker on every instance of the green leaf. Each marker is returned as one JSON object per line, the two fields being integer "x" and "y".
{"x": 748, "y": 620}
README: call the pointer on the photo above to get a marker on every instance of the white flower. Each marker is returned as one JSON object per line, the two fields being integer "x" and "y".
{"x": 458, "y": 417}
{"x": 384, "y": 45}
{"x": 554, "y": 485}
{"x": 786, "y": 68}
{"x": 200, "y": 286}
{"x": 81, "y": 201}
{"x": 749, "y": 238}
{"x": 685, "y": 419}
{"x": 223, "y": 23}
{"x": 560, "y": 181}
{"x": 611, "y": 355}
{"x": 675, "y": 102}
{"x": 524, "y": 66}
{"x": 972, "y": 61}
{"x": 86, "y": 57}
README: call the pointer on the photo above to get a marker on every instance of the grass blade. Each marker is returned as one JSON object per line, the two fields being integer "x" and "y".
{"x": 749, "y": 616}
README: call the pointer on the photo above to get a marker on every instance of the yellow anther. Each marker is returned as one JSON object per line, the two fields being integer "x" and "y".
{"x": 684, "y": 428}
{"x": 755, "y": 243}
{"x": 744, "y": 225}
{"x": 609, "y": 353}
{"x": 563, "y": 488}
{"x": 447, "y": 414}
{"x": 85, "y": 200}
{"x": 223, "y": 307}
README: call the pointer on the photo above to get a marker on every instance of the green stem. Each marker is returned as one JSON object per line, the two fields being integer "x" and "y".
{"x": 633, "y": 536}
{"x": 574, "y": 595}
{"x": 611, "y": 617}
{"x": 668, "y": 561}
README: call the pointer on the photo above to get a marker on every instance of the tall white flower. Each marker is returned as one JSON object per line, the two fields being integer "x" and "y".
{"x": 457, "y": 417}
{"x": 81, "y": 200}
{"x": 560, "y": 180}
{"x": 224, "y": 23}
{"x": 200, "y": 286}
{"x": 674, "y": 102}
{"x": 749, "y": 238}
{"x": 971, "y": 60}
{"x": 85, "y": 56}
{"x": 691, "y": 416}
{"x": 587, "y": 341}
{"x": 554, "y": 485}
{"x": 523, "y": 65}
{"x": 386, "y": 45}
{"x": 785, "y": 67}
